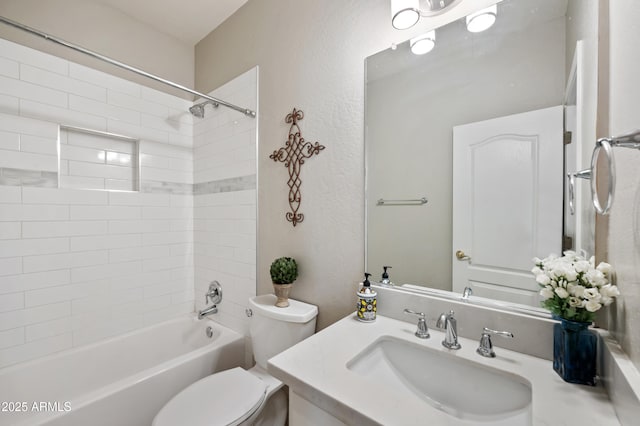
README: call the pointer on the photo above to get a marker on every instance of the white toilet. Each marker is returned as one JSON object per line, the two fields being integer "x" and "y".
{"x": 238, "y": 396}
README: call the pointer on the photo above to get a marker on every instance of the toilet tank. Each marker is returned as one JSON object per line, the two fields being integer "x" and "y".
{"x": 274, "y": 329}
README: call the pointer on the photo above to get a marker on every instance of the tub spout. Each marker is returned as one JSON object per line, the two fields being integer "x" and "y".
{"x": 213, "y": 309}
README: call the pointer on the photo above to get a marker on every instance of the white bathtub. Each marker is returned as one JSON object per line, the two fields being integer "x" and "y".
{"x": 121, "y": 381}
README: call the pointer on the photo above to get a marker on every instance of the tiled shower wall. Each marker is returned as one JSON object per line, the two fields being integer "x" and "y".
{"x": 225, "y": 200}
{"x": 80, "y": 265}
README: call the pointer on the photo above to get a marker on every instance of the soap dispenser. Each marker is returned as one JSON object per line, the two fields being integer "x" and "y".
{"x": 367, "y": 303}
{"x": 385, "y": 277}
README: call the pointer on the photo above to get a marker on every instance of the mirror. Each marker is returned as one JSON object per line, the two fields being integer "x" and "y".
{"x": 415, "y": 104}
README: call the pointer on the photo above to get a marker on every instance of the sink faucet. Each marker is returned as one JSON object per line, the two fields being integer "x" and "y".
{"x": 468, "y": 291}
{"x": 448, "y": 323}
{"x": 422, "y": 332}
{"x": 486, "y": 347}
{"x": 213, "y": 295}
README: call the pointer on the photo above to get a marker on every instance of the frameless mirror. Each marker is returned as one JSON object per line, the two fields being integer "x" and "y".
{"x": 465, "y": 154}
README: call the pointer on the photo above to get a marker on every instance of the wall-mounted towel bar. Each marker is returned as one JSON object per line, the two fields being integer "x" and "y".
{"x": 630, "y": 140}
{"x": 417, "y": 202}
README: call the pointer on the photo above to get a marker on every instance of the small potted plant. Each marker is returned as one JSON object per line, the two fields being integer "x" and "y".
{"x": 284, "y": 271}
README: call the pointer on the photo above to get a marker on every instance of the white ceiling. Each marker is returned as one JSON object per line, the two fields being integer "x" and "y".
{"x": 186, "y": 20}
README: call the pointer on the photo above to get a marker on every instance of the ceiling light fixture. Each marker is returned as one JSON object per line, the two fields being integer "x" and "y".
{"x": 423, "y": 43}
{"x": 406, "y": 13}
{"x": 482, "y": 19}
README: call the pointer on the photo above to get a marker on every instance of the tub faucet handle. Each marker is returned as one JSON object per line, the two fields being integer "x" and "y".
{"x": 214, "y": 294}
{"x": 422, "y": 332}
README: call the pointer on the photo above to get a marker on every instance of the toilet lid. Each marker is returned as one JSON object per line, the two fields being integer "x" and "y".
{"x": 222, "y": 399}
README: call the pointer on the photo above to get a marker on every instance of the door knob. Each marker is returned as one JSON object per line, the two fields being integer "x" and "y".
{"x": 461, "y": 256}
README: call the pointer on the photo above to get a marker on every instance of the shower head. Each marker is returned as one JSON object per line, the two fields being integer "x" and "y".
{"x": 198, "y": 109}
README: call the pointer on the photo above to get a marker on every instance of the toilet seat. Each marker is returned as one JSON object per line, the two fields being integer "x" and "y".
{"x": 226, "y": 398}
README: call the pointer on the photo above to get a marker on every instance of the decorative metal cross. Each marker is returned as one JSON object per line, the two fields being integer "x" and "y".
{"x": 293, "y": 154}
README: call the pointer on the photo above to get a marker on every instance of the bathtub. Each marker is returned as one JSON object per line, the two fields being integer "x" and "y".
{"x": 120, "y": 381}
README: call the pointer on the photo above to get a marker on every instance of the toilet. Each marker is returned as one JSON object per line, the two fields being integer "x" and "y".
{"x": 246, "y": 397}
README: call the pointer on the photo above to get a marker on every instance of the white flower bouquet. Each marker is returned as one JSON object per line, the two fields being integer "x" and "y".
{"x": 572, "y": 287}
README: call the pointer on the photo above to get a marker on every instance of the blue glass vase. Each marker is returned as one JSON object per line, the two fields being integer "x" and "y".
{"x": 575, "y": 351}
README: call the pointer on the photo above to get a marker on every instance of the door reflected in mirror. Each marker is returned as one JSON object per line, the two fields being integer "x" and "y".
{"x": 494, "y": 193}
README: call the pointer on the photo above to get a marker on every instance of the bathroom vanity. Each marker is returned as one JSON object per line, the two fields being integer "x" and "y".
{"x": 381, "y": 373}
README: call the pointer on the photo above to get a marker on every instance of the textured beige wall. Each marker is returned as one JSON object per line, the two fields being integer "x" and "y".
{"x": 624, "y": 222}
{"x": 105, "y": 30}
{"x": 311, "y": 56}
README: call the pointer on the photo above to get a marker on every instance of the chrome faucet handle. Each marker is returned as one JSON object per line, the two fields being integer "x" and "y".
{"x": 214, "y": 294}
{"x": 422, "y": 332}
{"x": 448, "y": 323}
{"x": 486, "y": 347}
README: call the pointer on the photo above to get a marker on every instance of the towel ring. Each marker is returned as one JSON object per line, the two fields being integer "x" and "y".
{"x": 605, "y": 145}
{"x": 630, "y": 140}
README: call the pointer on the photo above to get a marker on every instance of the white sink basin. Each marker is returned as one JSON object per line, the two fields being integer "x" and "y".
{"x": 462, "y": 388}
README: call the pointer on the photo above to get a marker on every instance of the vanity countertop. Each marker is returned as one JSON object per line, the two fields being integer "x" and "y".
{"x": 316, "y": 369}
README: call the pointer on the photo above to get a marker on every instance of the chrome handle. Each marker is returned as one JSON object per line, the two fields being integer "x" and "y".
{"x": 498, "y": 333}
{"x": 409, "y": 311}
{"x": 486, "y": 346}
{"x": 422, "y": 332}
{"x": 460, "y": 255}
{"x": 214, "y": 294}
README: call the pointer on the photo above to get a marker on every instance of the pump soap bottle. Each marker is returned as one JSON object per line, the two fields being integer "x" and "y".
{"x": 367, "y": 302}
{"x": 385, "y": 277}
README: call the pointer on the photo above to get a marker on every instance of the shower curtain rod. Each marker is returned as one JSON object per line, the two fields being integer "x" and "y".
{"x": 123, "y": 65}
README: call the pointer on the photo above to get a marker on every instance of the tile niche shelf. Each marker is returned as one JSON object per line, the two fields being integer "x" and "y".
{"x": 92, "y": 159}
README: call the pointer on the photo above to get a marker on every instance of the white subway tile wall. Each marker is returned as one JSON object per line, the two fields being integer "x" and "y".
{"x": 225, "y": 201}
{"x": 77, "y": 266}
{"x": 49, "y": 92}
{"x": 97, "y": 161}
{"x": 71, "y": 272}
{"x": 19, "y": 156}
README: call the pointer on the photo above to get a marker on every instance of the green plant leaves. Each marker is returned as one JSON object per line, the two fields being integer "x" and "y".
{"x": 284, "y": 270}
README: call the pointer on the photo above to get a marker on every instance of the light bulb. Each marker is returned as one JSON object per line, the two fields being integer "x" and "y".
{"x": 482, "y": 19}
{"x": 404, "y": 13}
{"x": 423, "y": 43}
